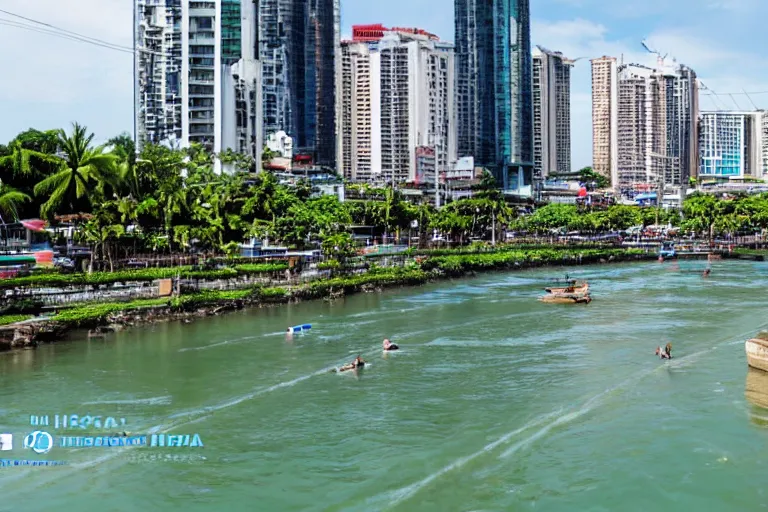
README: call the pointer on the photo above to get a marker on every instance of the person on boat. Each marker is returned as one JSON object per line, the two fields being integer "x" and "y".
{"x": 354, "y": 365}
{"x": 388, "y": 345}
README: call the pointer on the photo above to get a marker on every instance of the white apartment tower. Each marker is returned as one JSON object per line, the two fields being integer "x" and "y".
{"x": 604, "y": 118}
{"x": 198, "y": 77}
{"x": 641, "y": 143}
{"x": 355, "y": 137}
{"x": 157, "y": 71}
{"x": 551, "y": 112}
{"x": 764, "y": 141}
{"x": 411, "y": 106}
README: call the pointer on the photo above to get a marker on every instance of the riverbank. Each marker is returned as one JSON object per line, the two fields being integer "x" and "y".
{"x": 103, "y": 317}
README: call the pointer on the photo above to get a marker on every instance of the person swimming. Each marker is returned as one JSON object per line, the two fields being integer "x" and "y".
{"x": 707, "y": 272}
{"x": 354, "y": 365}
{"x": 665, "y": 353}
{"x": 388, "y": 345}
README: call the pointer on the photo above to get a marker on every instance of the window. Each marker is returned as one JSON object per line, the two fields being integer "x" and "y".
{"x": 205, "y": 23}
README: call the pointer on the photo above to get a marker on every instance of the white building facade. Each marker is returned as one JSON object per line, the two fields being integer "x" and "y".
{"x": 397, "y": 96}
{"x": 605, "y": 95}
{"x": 355, "y": 140}
{"x": 204, "y": 63}
{"x": 731, "y": 145}
{"x": 551, "y": 113}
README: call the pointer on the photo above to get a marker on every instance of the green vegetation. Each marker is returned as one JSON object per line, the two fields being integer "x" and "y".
{"x": 12, "y": 319}
{"x": 413, "y": 273}
{"x": 47, "y": 280}
{"x": 703, "y": 215}
{"x": 92, "y": 314}
{"x": 459, "y": 264}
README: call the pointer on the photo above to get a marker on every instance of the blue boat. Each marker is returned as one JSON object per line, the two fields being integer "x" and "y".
{"x": 300, "y": 328}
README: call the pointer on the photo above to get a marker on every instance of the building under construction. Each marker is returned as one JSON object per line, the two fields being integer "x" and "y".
{"x": 641, "y": 144}
{"x": 645, "y": 128}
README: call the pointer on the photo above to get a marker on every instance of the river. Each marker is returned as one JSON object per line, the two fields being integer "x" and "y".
{"x": 495, "y": 402}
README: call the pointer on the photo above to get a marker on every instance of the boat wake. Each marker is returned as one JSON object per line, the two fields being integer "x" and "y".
{"x": 219, "y": 344}
{"x": 158, "y": 400}
{"x": 405, "y": 493}
{"x": 559, "y": 418}
{"x": 181, "y": 419}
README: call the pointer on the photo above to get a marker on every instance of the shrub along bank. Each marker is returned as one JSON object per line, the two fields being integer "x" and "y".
{"x": 89, "y": 315}
{"x": 51, "y": 280}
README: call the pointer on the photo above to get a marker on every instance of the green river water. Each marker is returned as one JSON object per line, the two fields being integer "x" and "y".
{"x": 495, "y": 402}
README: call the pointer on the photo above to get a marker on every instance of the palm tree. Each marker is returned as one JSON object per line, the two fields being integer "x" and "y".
{"x": 19, "y": 161}
{"x": 10, "y": 198}
{"x": 84, "y": 173}
{"x": 124, "y": 149}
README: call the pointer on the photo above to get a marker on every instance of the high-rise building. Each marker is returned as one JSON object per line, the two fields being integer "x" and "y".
{"x": 641, "y": 142}
{"x": 355, "y": 120}
{"x": 764, "y": 141}
{"x": 300, "y": 46}
{"x": 157, "y": 72}
{"x": 198, "y": 76}
{"x": 397, "y": 107}
{"x": 605, "y": 118}
{"x": 494, "y": 89}
{"x": 551, "y": 112}
{"x": 730, "y": 145}
{"x": 682, "y": 105}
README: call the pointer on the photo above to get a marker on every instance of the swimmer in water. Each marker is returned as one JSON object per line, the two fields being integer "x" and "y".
{"x": 388, "y": 345}
{"x": 707, "y": 272}
{"x": 663, "y": 354}
{"x": 354, "y": 365}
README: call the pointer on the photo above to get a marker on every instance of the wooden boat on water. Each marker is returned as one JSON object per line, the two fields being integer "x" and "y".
{"x": 756, "y": 393}
{"x": 566, "y": 298}
{"x": 576, "y": 288}
{"x": 757, "y": 351}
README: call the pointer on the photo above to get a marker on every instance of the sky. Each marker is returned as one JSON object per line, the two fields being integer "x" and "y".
{"x": 48, "y": 82}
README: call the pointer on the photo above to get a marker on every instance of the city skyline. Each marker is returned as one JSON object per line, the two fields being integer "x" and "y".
{"x": 94, "y": 85}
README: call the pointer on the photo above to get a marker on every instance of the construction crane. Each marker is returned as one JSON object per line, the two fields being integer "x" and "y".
{"x": 659, "y": 58}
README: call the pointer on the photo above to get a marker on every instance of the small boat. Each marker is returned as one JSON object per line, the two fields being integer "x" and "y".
{"x": 757, "y": 351}
{"x": 566, "y": 298}
{"x": 756, "y": 393}
{"x": 577, "y": 288}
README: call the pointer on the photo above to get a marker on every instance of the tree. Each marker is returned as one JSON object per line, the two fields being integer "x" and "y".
{"x": 588, "y": 175}
{"x": 553, "y": 216}
{"x": 124, "y": 150}
{"x": 339, "y": 246}
{"x": 10, "y": 198}
{"x": 701, "y": 211}
{"x": 81, "y": 180}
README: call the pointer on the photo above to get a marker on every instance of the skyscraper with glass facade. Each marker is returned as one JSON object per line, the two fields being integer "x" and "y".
{"x": 494, "y": 89}
{"x": 300, "y": 46}
{"x": 730, "y": 145}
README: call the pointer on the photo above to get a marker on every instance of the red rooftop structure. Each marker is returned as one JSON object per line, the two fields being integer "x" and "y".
{"x": 373, "y": 33}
